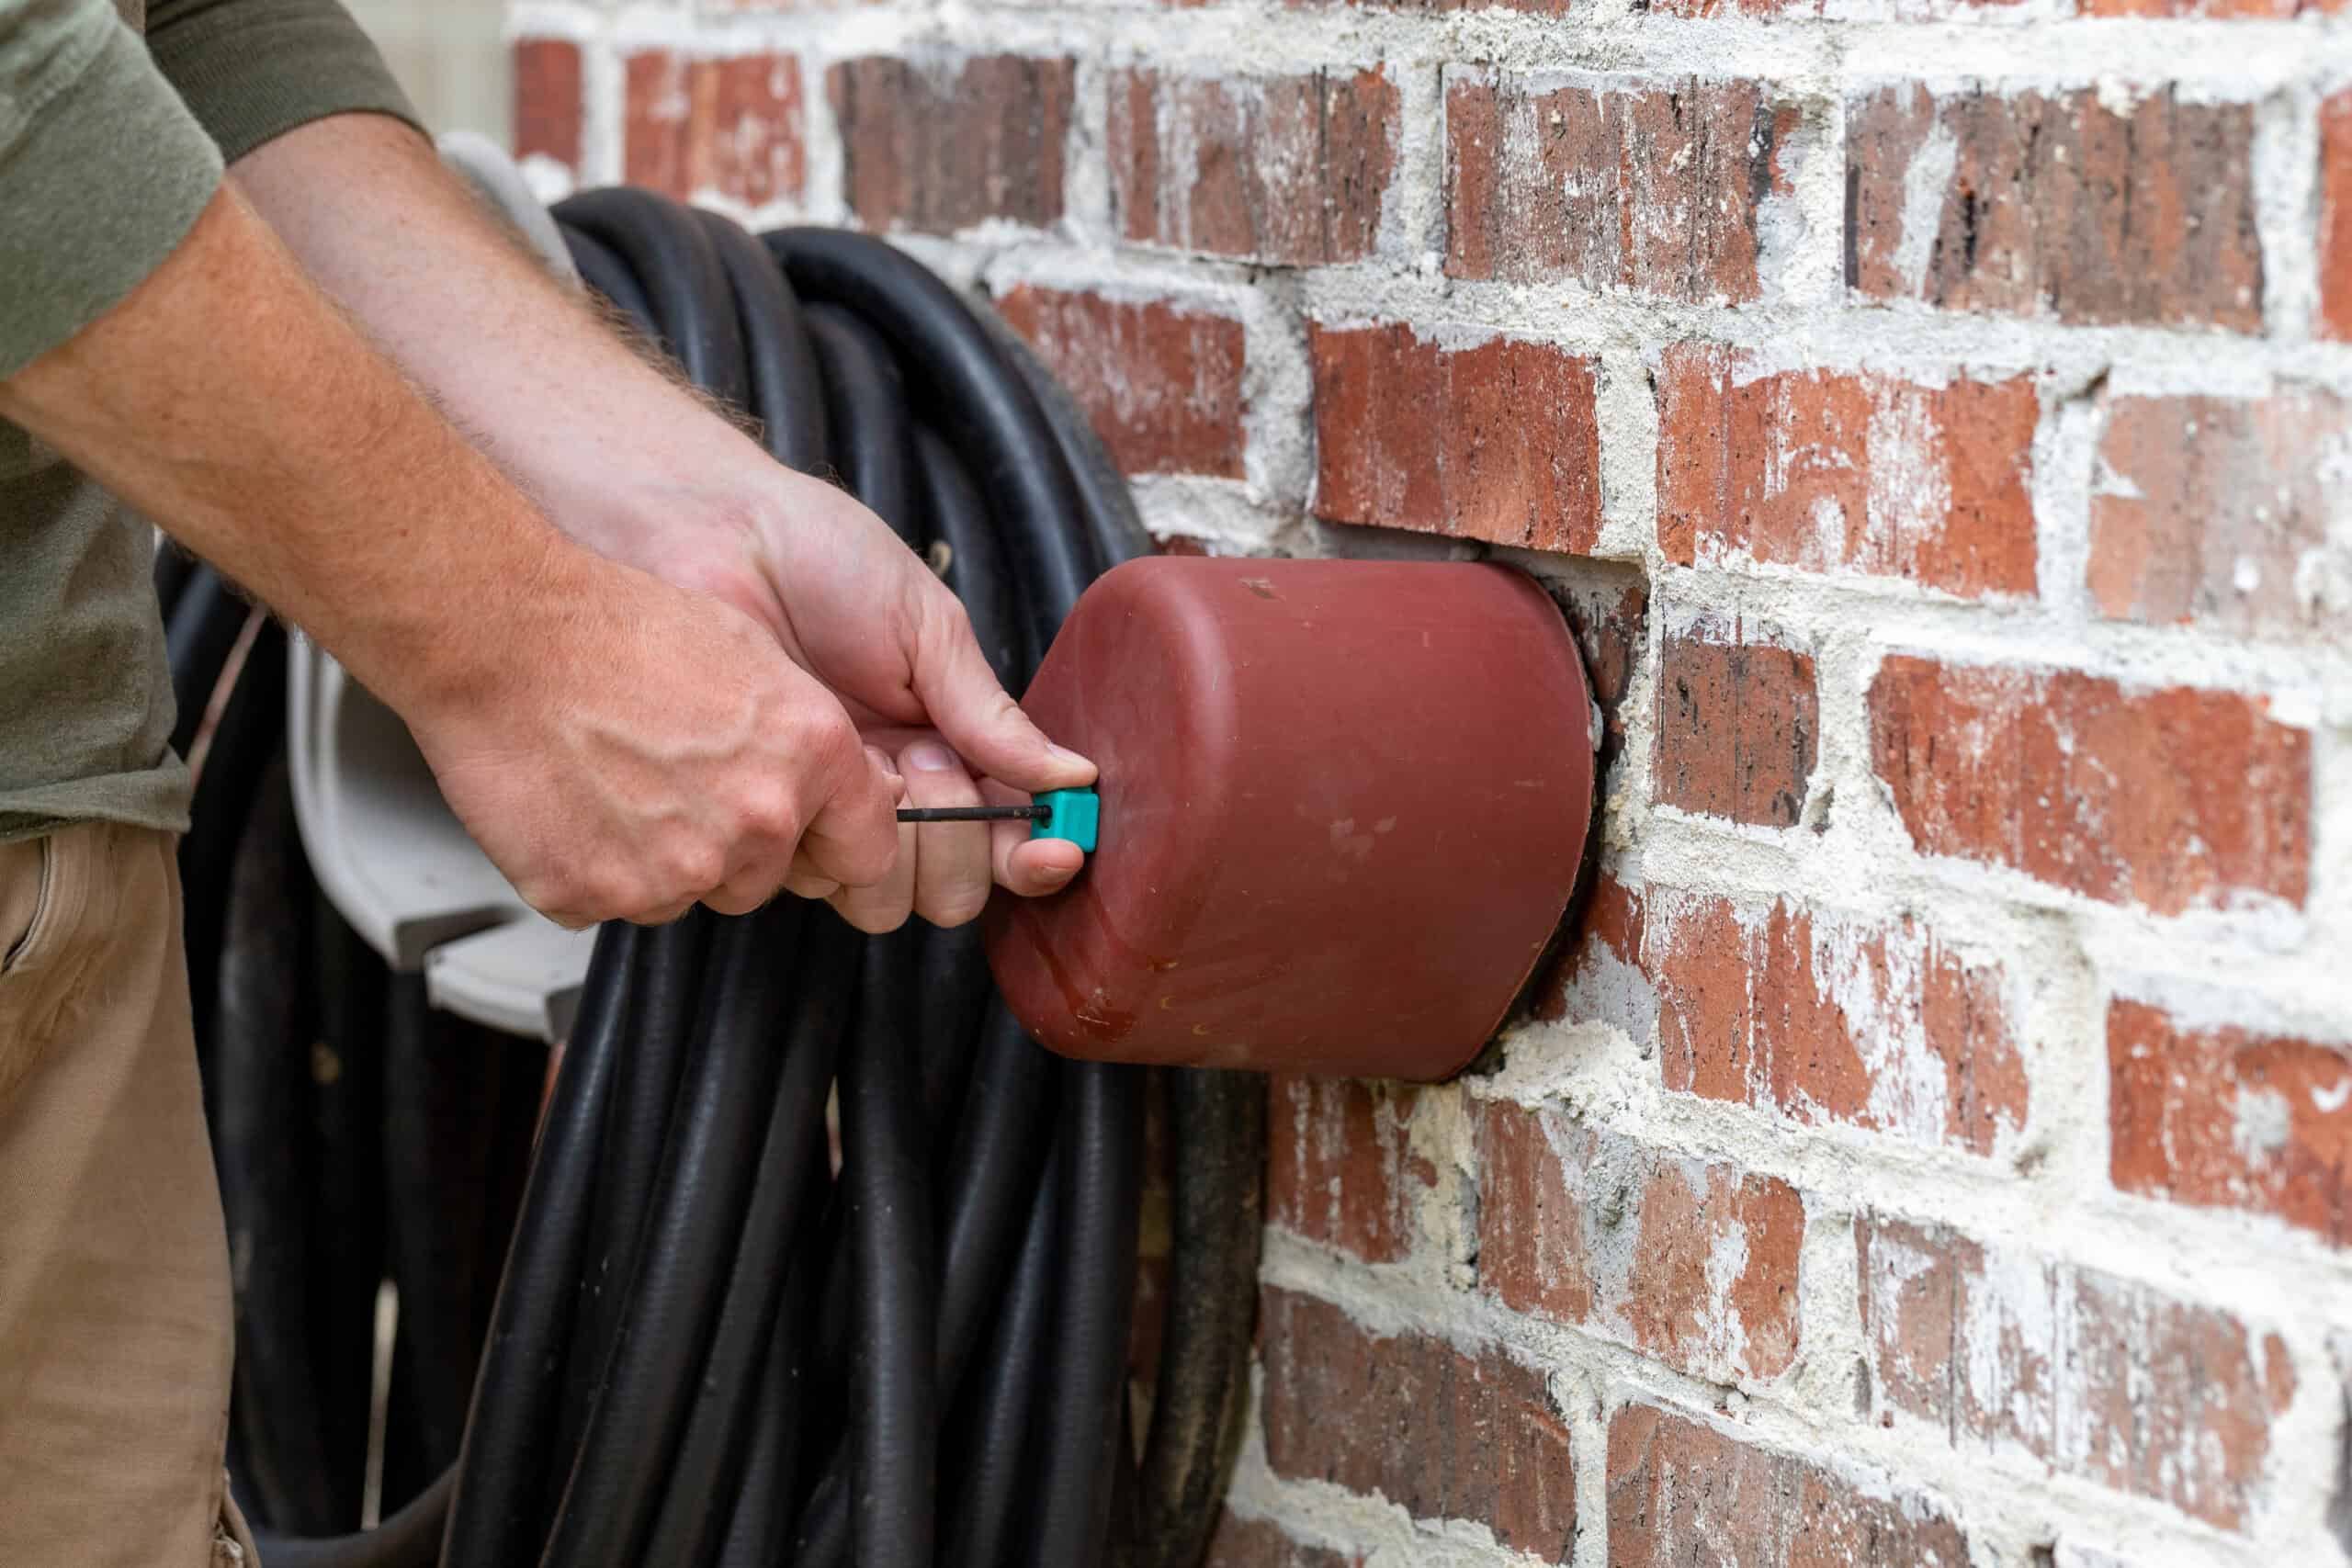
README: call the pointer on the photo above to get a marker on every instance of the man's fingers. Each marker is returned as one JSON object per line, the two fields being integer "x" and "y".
{"x": 805, "y": 881}
{"x": 741, "y": 895}
{"x": 951, "y": 858}
{"x": 980, "y": 719}
{"x": 854, "y": 837}
{"x": 882, "y": 906}
{"x": 1018, "y": 863}
{"x": 1032, "y": 867}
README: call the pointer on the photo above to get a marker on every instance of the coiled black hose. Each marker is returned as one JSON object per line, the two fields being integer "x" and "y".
{"x": 710, "y": 1344}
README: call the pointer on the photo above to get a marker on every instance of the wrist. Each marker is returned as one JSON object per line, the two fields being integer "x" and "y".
{"x": 470, "y": 630}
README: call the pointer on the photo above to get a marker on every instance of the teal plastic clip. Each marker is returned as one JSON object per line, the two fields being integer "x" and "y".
{"x": 1072, "y": 814}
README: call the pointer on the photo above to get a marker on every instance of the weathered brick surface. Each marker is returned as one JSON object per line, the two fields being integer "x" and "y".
{"x": 1600, "y": 975}
{"x": 2173, "y": 800}
{"x": 1609, "y": 617}
{"x": 1739, "y": 726}
{"x": 1652, "y": 188}
{"x": 1340, "y": 1168}
{"x": 1435, "y": 7}
{"x": 1693, "y": 1262}
{"x": 1254, "y": 1543}
{"x": 2216, "y": 511}
{"x": 1682, "y": 1492}
{"x": 1441, "y": 1433}
{"x": 1865, "y": 1022}
{"x": 2223, "y": 10}
{"x": 1871, "y": 1023}
{"x": 1161, "y": 381}
{"x": 2335, "y": 216}
{"x": 1413, "y": 435}
{"x": 2231, "y": 1118}
{"x": 735, "y": 126}
{"x": 2056, "y": 205}
{"x": 2099, "y": 1376}
{"x": 1847, "y": 472}
{"x": 547, "y": 100}
{"x": 1286, "y": 169}
{"x": 941, "y": 147}
{"x": 1789, "y": 8}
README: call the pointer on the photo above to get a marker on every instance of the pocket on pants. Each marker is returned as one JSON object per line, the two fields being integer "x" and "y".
{"x": 44, "y": 894}
{"x": 24, "y": 879}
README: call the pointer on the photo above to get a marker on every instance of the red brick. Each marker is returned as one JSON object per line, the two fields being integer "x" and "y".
{"x": 1286, "y": 169}
{"x": 2055, "y": 205}
{"x": 1693, "y": 1262}
{"x": 547, "y": 100}
{"x": 1682, "y": 1493}
{"x": 2335, "y": 216}
{"x": 1610, "y": 616}
{"x": 1161, "y": 382}
{"x": 1443, "y": 1434}
{"x": 2096, "y": 1376}
{"x": 1739, "y": 723}
{"x": 1339, "y": 1166}
{"x": 1600, "y": 977}
{"x": 2215, "y": 509}
{"x": 1871, "y": 1024}
{"x": 2173, "y": 800}
{"x": 1497, "y": 441}
{"x": 737, "y": 126}
{"x": 1847, "y": 472}
{"x": 1654, "y": 190}
{"x": 1254, "y": 1543}
{"x": 2228, "y": 1118}
{"x": 941, "y": 147}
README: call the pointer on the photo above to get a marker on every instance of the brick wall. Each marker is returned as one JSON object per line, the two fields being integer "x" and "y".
{"x": 1936, "y": 1146}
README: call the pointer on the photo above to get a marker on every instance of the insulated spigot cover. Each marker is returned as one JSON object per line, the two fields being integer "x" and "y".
{"x": 1342, "y": 808}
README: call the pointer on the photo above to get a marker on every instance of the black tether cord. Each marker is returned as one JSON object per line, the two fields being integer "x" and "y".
{"x": 712, "y": 1345}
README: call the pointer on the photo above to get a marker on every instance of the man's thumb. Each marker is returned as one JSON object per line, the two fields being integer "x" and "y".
{"x": 980, "y": 719}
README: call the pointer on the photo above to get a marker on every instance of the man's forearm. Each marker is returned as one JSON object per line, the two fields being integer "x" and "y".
{"x": 535, "y": 378}
{"x": 227, "y": 398}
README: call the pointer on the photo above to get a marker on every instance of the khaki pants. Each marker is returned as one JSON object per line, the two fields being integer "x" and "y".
{"x": 115, "y": 1307}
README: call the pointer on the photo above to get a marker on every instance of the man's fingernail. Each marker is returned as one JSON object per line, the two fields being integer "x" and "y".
{"x": 928, "y": 756}
{"x": 1063, "y": 753}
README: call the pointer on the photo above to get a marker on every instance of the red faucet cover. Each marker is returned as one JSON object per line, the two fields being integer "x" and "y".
{"x": 1342, "y": 808}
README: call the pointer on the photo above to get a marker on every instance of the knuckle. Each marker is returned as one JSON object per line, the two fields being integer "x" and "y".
{"x": 769, "y": 811}
{"x": 826, "y": 741}
{"x": 948, "y": 616}
{"x": 695, "y": 867}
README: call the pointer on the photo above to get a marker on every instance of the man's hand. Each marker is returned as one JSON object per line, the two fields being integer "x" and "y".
{"x": 854, "y": 607}
{"x": 633, "y": 749}
{"x": 545, "y": 391}
{"x": 619, "y": 746}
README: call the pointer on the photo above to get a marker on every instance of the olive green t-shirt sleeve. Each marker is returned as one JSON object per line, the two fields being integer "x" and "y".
{"x": 103, "y": 170}
{"x": 252, "y": 70}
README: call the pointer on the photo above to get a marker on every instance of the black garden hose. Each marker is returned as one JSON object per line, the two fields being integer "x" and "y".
{"x": 712, "y": 1344}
